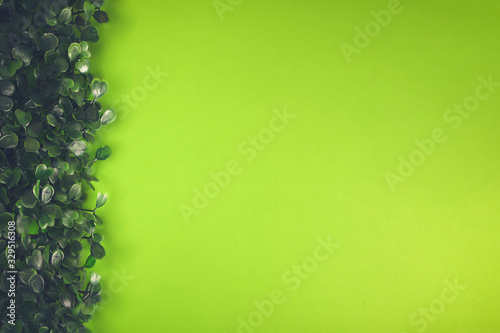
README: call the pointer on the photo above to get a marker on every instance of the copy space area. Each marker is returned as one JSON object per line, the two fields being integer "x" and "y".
{"x": 305, "y": 166}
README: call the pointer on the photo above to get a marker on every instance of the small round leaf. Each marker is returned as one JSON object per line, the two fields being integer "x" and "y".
{"x": 57, "y": 258}
{"x": 37, "y": 284}
{"x": 101, "y": 200}
{"x": 48, "y": 42}
{"x": 78, "y": 147}
{"x": 103, "y": 153}
{"x": 35, "y": 260}
{"x": 67, "y": 299}
{"x": 24, "y": 118}
{"x": 74, "y": 51}
{"x": 9, "y": 140}
{"x": 75, "y": 191}
{"x": 97, "y": 251}
{"x": 90, "y": 34}
{"x": 7, "y": 88}
{"x": 90, "y": 262}
{"x": 47, "y": 194}
{"x": 64, "y": 16}
{"x": 42, "y": 172}
{"x": 101, "y": 16}
{"x": 99, "y": 88}
{"x": 108, "y": 116}
{"x": 31, "y": 144}
{"x": 83, "y": 65}
{"x": 6, "y": 104}
{"x": 23, "y": 53}
{"x": 28, "y": 199}
{"x": 97, "y": 3}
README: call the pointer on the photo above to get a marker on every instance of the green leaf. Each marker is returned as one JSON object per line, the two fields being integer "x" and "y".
{"x": 77, "y": 147}
{"x": 26, "y": 274}
{"x": 23, "y": 53}
{"x": 28, "y": 199}
{"x": 85, "y": 46}
{"x": 70, "y": 324}
{"x": 97, "y": 251}
{"x": 88, "y": 9}
{"x": 36, "y": 189}
{"x": 7, "y": 88}
{"x": 53, "y": 150}
{"x": 31, "y": 144}
{"x": 97, "y": 3}
{"x": 48, "y": 42}
{"x": 6, "y": 104}
{"x": 90, "y": 34}
{"x": 45, "y": 252}
{"x": 92, "y": 114}
{"x": 97, "y": 237}
{"x": 99, "y": 88}
{"x": 101, "y": 16}
{"x": 57, "y": 258}
{"x": 60, "y": 65}
{"x": 42, "y": 172}
{"x": 88, "y": 306}
{"x": 5, "y": 218}
{"x": 23, "y": 223}
{"x": 8, "y": 140}
{"x": 34, "y": 129}
{"x": 67, "y": 299}
{"x": 46, "y": 221}
{"x": 68, "y": 218}
{"x": 52, "y": 210}
{"x": 77, "y": 96}
{"x": 103, "y": 153}
{"x": 62, "y": 165}
{"x": 13, "y": 180}
{"x": 52, "y": 120}
{"x": 82, "y": 65}
{"x": 61, "y": 197}
{"x": 67, "y": 83}
{"x": 29, "y": 5}
{"x": 85, "y": 53}
{"x": 80, "y": 83}
{"x": 47, "y": 194}
{"x": 90, "y": 262}
{"x": 26, "y": 241}
{"x": 108, "y": 116}
{"x": 39, "y": 318}
{"x": 51, "y": 21}
{"x": 4, "y": 44}
{"x": 74, "y": 51}
{"x": 74, "y": 130}
{"x": 24, "y": 118}
{"x": 101, "y": 200}
{"x": 65, "y": 16}
{"x": 79, "y": 21}
{"x": 75, "y": 191}
{"x": 37, "y": 284}
{"x": 35, "y": 260}
{"x": 28, "y": 162}
{"x": 14, "y": 65}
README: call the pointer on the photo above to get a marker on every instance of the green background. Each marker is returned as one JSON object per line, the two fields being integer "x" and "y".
{"x": 322, "y": 176}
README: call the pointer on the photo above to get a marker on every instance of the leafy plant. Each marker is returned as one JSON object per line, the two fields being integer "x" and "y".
{"x": 49, "y": 114}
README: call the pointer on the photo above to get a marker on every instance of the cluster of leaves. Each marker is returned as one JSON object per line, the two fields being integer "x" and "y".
{"x": 49, "y": 113}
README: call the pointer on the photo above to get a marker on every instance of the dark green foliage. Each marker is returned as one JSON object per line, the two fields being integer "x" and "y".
{"x": 49, "y": 114}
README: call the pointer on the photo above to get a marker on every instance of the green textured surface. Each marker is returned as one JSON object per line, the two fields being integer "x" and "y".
{"x": 322, "y": 176}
